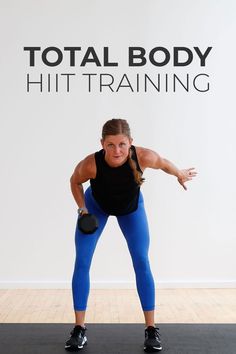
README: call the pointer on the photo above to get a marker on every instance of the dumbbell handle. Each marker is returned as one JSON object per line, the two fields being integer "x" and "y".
{"x": 82, "y": 211}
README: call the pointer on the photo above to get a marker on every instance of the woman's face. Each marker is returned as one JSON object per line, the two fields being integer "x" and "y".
{"x": 116, "y": 149}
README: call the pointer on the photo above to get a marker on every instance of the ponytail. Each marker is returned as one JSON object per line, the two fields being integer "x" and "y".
{"x": 137, "y": 174}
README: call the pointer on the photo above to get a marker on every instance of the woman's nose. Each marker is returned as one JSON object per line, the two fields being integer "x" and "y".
{"x": 117, "y": 149}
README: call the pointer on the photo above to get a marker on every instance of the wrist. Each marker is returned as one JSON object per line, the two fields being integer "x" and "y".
{"x": 82, "y": 210}
{"x": 179, "y": 174}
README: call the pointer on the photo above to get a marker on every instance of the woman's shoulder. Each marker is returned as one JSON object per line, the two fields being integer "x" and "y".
{"x": 89, "y": 159}
{"x": 142, "y": 152}
{"x": 145, "y": 156}
{"x": 89, "y": 164}
{"x": 86, "y": 168}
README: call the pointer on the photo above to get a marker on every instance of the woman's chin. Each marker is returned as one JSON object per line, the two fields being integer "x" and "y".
{"x": 116, "y": 162}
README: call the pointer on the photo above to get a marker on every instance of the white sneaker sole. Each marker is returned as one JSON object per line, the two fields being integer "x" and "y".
{"x": 152, "y": 349}
{"x": 76, "y": 347}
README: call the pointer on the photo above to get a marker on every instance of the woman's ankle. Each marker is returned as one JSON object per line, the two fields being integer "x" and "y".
{"x": 80, "y": 324}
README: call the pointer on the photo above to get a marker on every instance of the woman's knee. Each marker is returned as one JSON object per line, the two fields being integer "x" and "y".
{"x": 82, "y": 264}
{"x": 141, "y": 263}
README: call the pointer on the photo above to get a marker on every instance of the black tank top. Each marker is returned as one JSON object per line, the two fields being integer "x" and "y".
{"x": 114, "y": 188}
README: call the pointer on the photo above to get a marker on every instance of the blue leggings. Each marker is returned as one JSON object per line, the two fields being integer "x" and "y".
{"x": 134, "y": 227}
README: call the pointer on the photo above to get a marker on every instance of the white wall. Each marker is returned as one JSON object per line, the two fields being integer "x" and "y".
{"x": 44, "y": 135}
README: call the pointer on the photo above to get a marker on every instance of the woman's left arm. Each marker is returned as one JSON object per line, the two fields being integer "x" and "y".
{"x": 151, "y": 159}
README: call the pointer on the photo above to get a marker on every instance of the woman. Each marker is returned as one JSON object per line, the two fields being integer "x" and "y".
{"x": 115, "y": 175}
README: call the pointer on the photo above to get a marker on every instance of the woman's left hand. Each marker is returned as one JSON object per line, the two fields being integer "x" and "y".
{"x": 186, "y": 175}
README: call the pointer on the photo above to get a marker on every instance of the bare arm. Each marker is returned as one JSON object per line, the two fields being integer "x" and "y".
{"x": 151, "y": 159}
{"x": 85, "y": 170}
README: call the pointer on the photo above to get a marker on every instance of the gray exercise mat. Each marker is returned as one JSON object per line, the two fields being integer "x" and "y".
{"x": 118, "y": 338}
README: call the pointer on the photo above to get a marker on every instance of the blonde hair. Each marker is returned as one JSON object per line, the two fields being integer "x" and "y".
{"x": 117, "y": 126}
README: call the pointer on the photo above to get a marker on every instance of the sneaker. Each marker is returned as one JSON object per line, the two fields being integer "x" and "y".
{"x": 77, "y": 339}
{"x": 152, "y": 341}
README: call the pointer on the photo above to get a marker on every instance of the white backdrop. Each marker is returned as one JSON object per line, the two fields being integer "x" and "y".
{"x": 44, "y": 135}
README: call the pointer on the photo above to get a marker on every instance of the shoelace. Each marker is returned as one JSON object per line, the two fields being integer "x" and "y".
{"x": 153, "y": 332}
{"x": 76, "y": 331}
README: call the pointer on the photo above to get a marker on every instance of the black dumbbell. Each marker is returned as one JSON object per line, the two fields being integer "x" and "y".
{"x": 88, "y": 223}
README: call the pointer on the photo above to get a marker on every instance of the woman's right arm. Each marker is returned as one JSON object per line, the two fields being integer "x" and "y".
{"x": 85, "y": 170}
